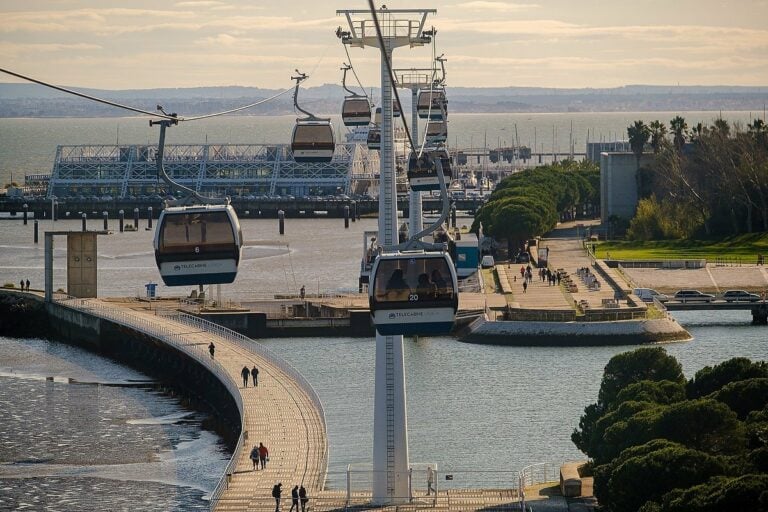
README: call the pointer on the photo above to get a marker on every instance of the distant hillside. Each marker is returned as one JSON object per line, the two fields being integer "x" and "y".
{"x": 31, "y": 100}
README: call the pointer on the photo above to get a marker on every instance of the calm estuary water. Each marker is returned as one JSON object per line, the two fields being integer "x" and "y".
{"x": 479, "y": 412}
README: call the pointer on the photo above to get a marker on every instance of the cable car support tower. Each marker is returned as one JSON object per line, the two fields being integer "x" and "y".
{"x": 399, "y": 27}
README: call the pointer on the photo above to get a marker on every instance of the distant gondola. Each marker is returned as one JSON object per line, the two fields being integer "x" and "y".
{"x": 437, "y": 132}
{"x": 422, "y": 169}
{"x": 373, "y": 140}
{"x": 432, "y": 105}
{"x": 312, "y": 140}
{"x": 356, "y": 111}
{"x": 413, "y": 293}
{"x": 198, "y": 245}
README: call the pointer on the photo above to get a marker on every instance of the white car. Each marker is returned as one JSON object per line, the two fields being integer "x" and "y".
{"x": 648, "y": 294}
{"x": 487, "y": 261}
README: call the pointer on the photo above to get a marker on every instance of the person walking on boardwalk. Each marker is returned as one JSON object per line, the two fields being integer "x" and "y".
{"x": 430, "y": 480}
{"x": 211, "y": 349}
{"x": 254, "y": 456}
{"x": 525, "y": 286}
{"x": 27, "y": 284}
{"x": 21, "y": 285}
{"x": 255, "y": 375}
{"x": 303, "y": 498}
{"x": 277, "y": 490}
{"x": 263, "y": 455}
{"x": 295, "y": 498}
{"x": 245, "y": 372}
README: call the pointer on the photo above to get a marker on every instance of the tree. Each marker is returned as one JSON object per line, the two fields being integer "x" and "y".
{"x": 744, "y": 396}
{"x": 646, "y": 363}
{"x": 679, "y": 130}
{"x": 638, "y": 134}
{"x": 747, "y": 492}
{"x": 713, "y": 378}
{"x": 658, "y": 134}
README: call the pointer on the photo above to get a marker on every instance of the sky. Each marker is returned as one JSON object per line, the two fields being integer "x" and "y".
{"x": 141, "y": 44}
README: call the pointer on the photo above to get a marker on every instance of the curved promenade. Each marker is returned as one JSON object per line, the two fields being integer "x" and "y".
{"x": 283, "y": 412}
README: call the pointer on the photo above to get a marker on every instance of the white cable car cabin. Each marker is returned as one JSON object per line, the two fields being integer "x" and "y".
{"x": 413, "y": 293}
{"x": 312, "y": 140}
{"x": 373, "y": 140}
{"x": 437, "y": 132}
{"x": 422, "y": 169}
{"x": 356, "y": 111}
{"x": 432, "y": 105}
{"x": 197, "y": 245}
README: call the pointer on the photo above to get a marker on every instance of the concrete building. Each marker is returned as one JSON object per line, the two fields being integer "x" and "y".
{"x": 618, "y": 183}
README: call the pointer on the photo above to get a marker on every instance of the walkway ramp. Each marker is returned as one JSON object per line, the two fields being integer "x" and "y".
{"x": 283, "y": 412}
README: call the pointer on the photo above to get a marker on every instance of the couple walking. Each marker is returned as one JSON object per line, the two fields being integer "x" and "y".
{"x": 253, "y": 372}
{"x": 259, "y": 454}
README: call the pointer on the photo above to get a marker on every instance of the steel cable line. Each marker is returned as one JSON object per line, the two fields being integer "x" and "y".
{"x": 138, "y": 110}
{"x": 391, "y": 74}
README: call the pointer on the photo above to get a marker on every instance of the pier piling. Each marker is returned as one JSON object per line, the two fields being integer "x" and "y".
{"x": 85, "y": 221}
{"x": 121, "y": 214}
{"x": 149, "y": 218}
{"x": 105, "y": 216}
{"x": 26, "y": 212}
{"x": 346, "y": 217}
{"x": 136, "y": 219}
{"x": 281, "y": 221}
{"x": 37, "y": 231}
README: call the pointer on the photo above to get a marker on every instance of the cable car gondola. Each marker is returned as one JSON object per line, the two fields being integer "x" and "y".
{"x": 374, "y": 137}
{"x": 413, "y": 293}
{"x": 422, "y": 169}
{"x": 437, "y": 132}
{"x": 356, "y": 111}
{"x": 312, "y": 139}
{"x": 198, "y": 245}
{"x": 432, "y": 105}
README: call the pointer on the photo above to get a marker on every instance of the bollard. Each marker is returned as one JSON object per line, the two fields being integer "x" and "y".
{"x": 136, "y": 219}
{"x": 105, "y": 216}
{"x": 26, "y": 212}
{"x": 36, "y": 230}
{"x": 281, "y": 221}
{"x": 121, "y": 213}
{"x": 346, "y": 217}
{"x": 354, "y": 211}
{"x": 85, "y": 219}
{"x": 149, "y": 218}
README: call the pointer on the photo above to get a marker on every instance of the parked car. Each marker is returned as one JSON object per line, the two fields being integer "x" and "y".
{"x": 648, "y": 294}
{"x": 693, "y": 296}
{"x": 740, "y": 296}
{"x": 487, "y": 261}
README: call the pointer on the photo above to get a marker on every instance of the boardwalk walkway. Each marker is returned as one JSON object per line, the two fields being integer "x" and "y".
{"x": 283, "y": 412}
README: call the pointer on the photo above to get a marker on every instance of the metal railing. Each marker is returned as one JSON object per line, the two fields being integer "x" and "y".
{"x": 199, "y": 352}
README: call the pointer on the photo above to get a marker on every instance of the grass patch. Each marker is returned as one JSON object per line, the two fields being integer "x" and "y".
{"x": 744, "y": 247}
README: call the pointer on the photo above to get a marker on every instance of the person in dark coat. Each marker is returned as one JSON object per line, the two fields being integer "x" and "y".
{"x": 27, "y": 284}
{"x": 21, "y": 285}
{"x": 295, "y": 498}
{"x": 245, "y": 372}
{"x": 211, "y": 349}
{"x": 277, "y": 491}
{"x": 255, "y": 375}
{"x": 254, "y": 456}
{"x": 303, "y": 498}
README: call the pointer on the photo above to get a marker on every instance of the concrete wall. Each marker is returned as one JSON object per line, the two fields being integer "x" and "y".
{"x": 618, "y": 184}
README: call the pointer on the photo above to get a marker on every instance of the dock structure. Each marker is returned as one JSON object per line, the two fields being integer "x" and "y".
{"x": 283, "y": 411}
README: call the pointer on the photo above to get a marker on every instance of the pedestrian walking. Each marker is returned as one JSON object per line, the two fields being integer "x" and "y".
{"x": 245, "y": 372}
{"x": 295, "y": 498}
{"x": 254, "y": 456}
{"x": 27, "y": 284}
{"x": 263, "y": 455}
{"x": 255, "y": 375}
{"x": 525, "y": 286}
{"x": 303, "y": 498}
{"x": 277, "y": 490}
{"x": 21, "y": 285}
{"x": 430, "y": 480}
{"x": 211, "y": 349}
{"x": 302, "y": 292}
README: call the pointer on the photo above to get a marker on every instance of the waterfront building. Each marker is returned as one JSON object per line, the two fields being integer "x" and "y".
{"x": 107, "y": 172}
{"x": 618, "y": 184}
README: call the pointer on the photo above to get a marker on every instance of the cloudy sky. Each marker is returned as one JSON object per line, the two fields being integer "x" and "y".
{"x": 121, "y": 44}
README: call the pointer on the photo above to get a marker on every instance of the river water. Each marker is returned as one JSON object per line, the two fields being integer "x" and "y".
{"x": 99, "y": 435}
{"x": 479, "y": 412}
